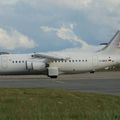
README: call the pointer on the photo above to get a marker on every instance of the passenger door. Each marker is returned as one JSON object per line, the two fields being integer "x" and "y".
{"x": 4, "y": 62}
{"x": 95, "y": 62}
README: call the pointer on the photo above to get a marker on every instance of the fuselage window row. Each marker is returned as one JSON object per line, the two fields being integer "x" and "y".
{"x": 56, "y": 61}
{"x": 18, "y": 61}
{"x": 70, "y": 61}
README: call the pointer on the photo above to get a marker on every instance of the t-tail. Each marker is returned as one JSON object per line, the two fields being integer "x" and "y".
{"x": 113, "y": 47}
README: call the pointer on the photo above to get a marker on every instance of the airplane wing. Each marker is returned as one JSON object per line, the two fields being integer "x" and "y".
{"x": 49, "y": 57}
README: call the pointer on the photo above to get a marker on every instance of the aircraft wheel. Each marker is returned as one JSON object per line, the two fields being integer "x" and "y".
{"x": 92, "y": 72}
{"x": 53, "y": 76}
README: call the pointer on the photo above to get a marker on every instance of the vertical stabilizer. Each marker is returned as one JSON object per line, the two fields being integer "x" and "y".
{"x": 113, "y": 47}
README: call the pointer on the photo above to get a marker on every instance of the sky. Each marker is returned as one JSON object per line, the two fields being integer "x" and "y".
{"x": 54, "y": 25}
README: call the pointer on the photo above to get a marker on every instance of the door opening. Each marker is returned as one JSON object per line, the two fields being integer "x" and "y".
{"x": 95, "y": 62}
{"x": 4, "y": 62}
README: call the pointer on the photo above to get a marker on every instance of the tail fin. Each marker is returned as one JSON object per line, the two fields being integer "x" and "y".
{"x": 114, "y": 45}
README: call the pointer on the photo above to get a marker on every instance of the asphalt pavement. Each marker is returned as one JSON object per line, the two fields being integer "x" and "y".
{"x": 100, "y": 82}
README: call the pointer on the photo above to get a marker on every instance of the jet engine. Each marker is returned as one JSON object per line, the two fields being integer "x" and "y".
{"x": 39, "y": 66}
{"x": 36, "y": 66}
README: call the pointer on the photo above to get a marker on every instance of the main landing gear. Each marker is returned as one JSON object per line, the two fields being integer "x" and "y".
{"x": 53, "y": 77}
{"x": 92, "y": 72}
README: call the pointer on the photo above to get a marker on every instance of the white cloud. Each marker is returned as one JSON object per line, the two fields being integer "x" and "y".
{"x": 104, "y": 12}
{"x": 48, "y": 29}
{"x": 113, "y": 2}
{"x": 8, "y": 2}
{"x": 74, "y": 4}
{"x": 13, "y": 39}
{"x": 67, "y": 33}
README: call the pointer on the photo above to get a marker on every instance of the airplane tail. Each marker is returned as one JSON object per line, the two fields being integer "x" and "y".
{"x": 113, "y": 47}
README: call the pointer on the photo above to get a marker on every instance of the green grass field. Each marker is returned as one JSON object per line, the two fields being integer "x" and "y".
{"x": 47, "y": 104}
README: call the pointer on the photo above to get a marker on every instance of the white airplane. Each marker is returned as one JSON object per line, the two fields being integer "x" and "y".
{"x": 54, "y": 64}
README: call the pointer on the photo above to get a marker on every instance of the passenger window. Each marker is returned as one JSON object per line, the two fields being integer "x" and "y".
{"x": 16, "y": 61}
{"x": 69, "y": 60}
{"x": 12, "y": 61}
{"x": 19, "y": 61}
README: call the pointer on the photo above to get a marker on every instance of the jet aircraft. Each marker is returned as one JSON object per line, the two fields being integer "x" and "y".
{"x": 56, "y": 63}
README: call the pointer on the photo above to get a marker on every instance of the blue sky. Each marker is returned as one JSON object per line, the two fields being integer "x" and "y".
{"x": 50, "y": 25}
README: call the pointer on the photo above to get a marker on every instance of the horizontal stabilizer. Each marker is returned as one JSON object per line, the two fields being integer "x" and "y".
{"x": 114, "y": 45}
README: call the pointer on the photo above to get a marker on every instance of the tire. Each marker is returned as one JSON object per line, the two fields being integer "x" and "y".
{"x": 53, "y": 77}
{"x": 92, "y": 72}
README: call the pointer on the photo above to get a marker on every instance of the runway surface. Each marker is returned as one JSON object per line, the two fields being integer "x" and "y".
{"x": 100, "y": 82}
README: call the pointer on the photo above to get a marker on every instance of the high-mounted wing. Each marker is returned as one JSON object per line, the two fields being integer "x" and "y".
{"x": 49, "y": 57}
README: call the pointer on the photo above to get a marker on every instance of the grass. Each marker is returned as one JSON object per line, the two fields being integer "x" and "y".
{"x": 47, "y": 104}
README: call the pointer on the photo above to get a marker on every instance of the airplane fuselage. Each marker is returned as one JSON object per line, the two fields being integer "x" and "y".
{"x": 25, "y": 64}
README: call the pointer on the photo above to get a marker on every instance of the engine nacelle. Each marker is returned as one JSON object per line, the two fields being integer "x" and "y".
{"x": 37, "y": 66}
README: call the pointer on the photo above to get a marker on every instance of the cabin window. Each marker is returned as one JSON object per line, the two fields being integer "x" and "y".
{"x": 12, "y": 61}
{"x": 69, "y": 60}
{"x": 16, "y": 61}
{"x": 19, "y": 61}
{"x": 76, "y": 60}
{"x": 72, "y": 60}
{"x": 22, "y": 61}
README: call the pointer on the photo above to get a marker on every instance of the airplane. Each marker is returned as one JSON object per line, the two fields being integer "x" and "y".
{"x": 54, "y": 64}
